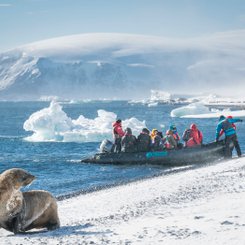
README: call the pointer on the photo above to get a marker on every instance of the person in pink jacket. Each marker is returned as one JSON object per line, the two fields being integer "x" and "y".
{"x": 118, "y": 133}
{"x": 193, "y": 136}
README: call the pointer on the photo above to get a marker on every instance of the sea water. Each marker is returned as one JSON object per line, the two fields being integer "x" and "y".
{"x": 56, "y": 164}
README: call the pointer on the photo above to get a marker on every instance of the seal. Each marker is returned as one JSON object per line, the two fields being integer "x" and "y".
{"x": 23, "y": 211}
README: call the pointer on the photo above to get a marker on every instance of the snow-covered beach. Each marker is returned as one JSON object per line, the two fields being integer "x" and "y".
{"x": 203, "y": 205}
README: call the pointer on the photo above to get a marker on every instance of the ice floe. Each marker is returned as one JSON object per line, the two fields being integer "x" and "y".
{"x": 199, "y": 110}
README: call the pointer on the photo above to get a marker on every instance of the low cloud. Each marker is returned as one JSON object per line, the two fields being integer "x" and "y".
{"x": 37, "y": 12}
{"x": 5, "y": 5}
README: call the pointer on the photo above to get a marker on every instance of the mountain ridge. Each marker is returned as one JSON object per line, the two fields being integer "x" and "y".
{"x": 122, "y": 66}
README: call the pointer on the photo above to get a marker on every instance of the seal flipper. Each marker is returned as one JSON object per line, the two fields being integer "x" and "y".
{"x": 16, "y": 225}
{"x": 52, "y": 227}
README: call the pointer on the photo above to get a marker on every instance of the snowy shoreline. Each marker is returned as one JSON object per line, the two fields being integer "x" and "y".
{"x": 203, "y": 205}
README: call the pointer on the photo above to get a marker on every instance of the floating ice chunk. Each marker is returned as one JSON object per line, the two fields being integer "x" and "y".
{"x": 53, "y": 124}
{"x": 134, "y": 124}
{"x": 198, "y": 110}
{"x": 48, "y": 124}
{"x": 217, "y": 113}
{"x": 153, "y": 104}
{"x": 191, "y": 109}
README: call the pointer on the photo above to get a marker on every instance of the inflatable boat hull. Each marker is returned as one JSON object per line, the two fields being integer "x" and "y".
{"x": 206, "y": 153}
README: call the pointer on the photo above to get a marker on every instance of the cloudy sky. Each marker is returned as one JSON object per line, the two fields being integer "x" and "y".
{"x": 25, "y": 21}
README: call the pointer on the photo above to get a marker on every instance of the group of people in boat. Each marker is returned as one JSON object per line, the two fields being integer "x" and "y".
{"x": 125, "y": 141}
{"x": 146, "y": 141}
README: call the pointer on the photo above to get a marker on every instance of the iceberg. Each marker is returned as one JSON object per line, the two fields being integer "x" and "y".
{"x": 199, "y": 110}
{"x": 53, "y": 124}
{"x": 218, "y": 113}
{"x": 215, "y": 100}
{"x": 193, "y": 108}
{"x": 160, "y": 96}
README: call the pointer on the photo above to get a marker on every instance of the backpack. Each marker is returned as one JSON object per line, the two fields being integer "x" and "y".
{"x": 186, "y": 135}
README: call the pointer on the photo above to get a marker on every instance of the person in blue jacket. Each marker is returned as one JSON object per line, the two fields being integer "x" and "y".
{"x": 230, "y": 134}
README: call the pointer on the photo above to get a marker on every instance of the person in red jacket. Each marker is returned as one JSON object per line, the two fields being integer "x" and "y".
{"x": 118, "y": 133}
{"x": 195, "y": 136}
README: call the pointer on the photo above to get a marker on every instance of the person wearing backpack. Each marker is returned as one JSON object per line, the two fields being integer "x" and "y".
{"x": 157, "y": 142}
{"x": 144, "y": 141}
{"x": 225, "y": 124}
{"x": 192, "y": 136}
{"x": 169, "y": 140}
{"x": 129, "y": 141}
{"x": 222, "y": 130}
{"x": 176, "y": 136}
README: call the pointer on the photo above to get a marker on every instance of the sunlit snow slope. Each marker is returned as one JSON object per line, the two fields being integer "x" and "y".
{"x": 123, "y": 66}
{"x": 197, "y": 206}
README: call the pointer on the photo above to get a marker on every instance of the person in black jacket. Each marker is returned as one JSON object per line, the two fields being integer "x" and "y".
{"x": 144, "y": 141}
{"x": 129, "y": 141}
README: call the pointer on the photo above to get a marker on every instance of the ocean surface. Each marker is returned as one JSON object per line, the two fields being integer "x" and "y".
{"x": 57, "y": 165}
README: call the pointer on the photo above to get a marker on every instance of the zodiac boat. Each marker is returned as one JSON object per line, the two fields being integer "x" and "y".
{"x": 206, "y": 153}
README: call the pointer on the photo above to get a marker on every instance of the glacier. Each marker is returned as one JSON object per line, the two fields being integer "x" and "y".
{"x": 123, "y": 66}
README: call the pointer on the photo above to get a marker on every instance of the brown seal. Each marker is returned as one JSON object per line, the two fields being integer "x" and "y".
{"x": 21, "y": 212}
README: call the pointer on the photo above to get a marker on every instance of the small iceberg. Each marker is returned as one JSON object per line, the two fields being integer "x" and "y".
{"x": 53, "y": 124}
{"x": 199, "y": 110}
{"x": 191, "y": 109}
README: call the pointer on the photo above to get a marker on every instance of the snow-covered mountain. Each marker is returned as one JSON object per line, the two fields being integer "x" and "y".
{"x": 123, "y": 66}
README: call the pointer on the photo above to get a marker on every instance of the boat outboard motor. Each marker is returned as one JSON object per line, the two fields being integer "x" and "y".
{"x": 106, "y": 146}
